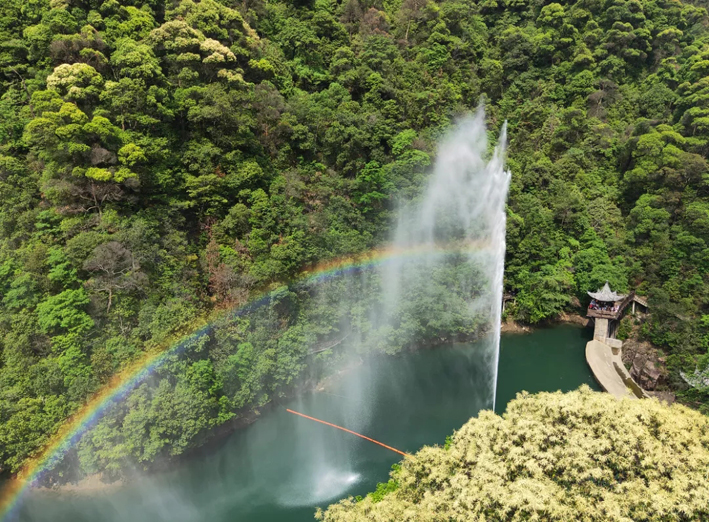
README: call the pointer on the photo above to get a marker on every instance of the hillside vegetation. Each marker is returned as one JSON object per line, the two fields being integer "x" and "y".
{"x": 553, "y": 457}
{"x": 163, "y": 158}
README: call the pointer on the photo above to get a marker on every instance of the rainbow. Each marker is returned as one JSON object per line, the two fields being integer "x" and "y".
{"x": 130, "y": 377}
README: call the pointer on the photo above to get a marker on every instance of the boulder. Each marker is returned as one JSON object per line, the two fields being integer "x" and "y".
{"x": 647, "y": 373}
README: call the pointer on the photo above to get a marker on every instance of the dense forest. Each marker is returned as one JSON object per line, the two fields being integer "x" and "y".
{"x": 162, "y": 159}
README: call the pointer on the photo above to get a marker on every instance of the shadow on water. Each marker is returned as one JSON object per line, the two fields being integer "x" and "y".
{"x": 283, "y": 466}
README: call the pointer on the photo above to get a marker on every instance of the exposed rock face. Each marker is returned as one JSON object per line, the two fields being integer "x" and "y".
{"x": 646, "y": 373}
{"x": 647, "y": 366}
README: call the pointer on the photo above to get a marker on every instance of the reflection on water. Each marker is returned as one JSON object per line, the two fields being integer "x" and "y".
{"x": 282, "y": 466}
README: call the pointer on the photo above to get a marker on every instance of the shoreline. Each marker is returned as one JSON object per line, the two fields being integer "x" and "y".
{"x": 95, "y": 483}
{"x": 517, "y": 327}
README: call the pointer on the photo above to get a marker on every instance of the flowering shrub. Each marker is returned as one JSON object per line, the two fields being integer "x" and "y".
{"x": 581, "y": 455}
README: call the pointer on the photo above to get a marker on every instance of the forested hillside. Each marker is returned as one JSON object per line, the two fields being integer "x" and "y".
{"x": 163, "y": 158}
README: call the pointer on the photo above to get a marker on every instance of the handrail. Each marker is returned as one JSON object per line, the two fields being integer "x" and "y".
{"x": 603, "y": 314}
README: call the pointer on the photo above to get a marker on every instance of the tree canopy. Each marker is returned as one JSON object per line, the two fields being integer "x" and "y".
{"x": 582, "y": 455}
{"x": 162, "y": 160}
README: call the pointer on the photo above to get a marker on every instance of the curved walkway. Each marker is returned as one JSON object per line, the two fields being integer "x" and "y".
{"x": 609, "y": 371}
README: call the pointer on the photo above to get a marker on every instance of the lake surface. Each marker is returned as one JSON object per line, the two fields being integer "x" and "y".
{"x": 283, "y": 466}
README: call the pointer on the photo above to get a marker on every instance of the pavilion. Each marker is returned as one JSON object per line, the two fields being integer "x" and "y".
{"x": 607, "y": 308}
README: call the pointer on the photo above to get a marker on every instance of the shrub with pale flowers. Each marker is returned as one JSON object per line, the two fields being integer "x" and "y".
{"x": 581, "y": 455}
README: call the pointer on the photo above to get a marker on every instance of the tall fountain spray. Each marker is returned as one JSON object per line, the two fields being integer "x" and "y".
{"x": 442, "y": 283}
{"x": 460, "y": 223}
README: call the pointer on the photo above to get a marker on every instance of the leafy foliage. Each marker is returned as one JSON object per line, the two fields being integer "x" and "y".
{"x": 553, "y": 456}
{"x": 160, "y": 160}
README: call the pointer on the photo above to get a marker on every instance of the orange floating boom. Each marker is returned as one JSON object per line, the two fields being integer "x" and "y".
{"x": 349, "y": 431}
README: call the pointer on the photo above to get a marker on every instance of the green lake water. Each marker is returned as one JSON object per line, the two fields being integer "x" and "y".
{"x": 283, "y": 466}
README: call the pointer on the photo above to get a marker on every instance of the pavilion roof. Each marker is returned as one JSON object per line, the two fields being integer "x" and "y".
{"x": 605, "y": 294}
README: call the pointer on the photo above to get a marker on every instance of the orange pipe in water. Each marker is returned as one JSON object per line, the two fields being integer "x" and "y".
{"x": 349, "y": 431}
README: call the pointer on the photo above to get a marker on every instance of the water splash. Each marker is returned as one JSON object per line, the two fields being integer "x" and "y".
{"x": 463, "y": 203}
{"x": 327, "y": 484}
{"x": 451, "y": 294}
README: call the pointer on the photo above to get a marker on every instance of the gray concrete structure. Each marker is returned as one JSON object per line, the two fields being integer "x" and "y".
{"x": 608, "y": 369}
{"x": 603, "y": 354}
{"x": 600, "y": 329}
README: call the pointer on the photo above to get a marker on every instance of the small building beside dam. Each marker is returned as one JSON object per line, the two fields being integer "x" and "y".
{"x": 607, "y": 309}
{"x": 603, "y": 353}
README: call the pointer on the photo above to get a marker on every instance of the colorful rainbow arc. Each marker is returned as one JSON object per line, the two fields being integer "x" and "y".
{"x": 129, "y": 378}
